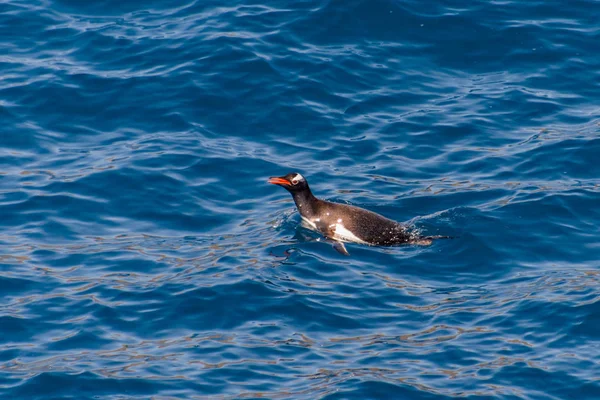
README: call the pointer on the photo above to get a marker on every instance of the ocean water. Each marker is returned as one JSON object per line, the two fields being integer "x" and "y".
{"x": 143, "y": 254}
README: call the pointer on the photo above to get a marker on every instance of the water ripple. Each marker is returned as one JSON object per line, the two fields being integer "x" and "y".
{"x": 142, "y": 253}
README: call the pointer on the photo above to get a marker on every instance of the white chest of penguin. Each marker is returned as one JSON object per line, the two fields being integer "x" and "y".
{"x": 340, "y": 232}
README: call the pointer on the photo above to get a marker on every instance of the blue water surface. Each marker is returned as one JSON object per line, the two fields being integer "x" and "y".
{"x": 143, "y": 255}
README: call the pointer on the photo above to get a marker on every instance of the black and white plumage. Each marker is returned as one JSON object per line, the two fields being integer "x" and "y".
{"x": 345, "y": 223}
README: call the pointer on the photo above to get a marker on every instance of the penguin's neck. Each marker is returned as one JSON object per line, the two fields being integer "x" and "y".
{"x": 305, "y": 202}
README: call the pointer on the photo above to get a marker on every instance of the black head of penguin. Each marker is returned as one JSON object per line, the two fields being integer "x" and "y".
{"x": 292, "y": 182}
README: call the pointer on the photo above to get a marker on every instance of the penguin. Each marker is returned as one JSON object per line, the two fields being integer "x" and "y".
{"x": 341, "y": 223}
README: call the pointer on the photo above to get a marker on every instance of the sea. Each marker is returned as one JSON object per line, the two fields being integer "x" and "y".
{"x": 143, "y": 255}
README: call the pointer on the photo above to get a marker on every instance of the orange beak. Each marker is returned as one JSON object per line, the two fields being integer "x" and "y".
{"x": 279, "y": 181}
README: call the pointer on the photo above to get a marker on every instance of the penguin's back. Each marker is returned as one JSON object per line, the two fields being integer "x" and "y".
{"x": 354, "y": 224}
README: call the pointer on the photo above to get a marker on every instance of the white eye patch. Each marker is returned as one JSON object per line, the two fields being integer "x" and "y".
{"x": 297, "y": 179}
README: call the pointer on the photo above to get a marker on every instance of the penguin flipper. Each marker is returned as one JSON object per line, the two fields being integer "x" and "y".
{"x": 329, "y": 233}
{"x": 339, "y": 246}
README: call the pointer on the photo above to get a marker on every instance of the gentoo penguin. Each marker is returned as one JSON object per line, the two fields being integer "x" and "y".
{"x": 345, "y": 223}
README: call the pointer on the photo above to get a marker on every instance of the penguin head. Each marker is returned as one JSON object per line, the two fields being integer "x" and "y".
{"x": 292, "y": 182}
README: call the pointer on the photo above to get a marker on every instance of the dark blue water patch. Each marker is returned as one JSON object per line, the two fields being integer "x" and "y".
{"x": 354, "y": 388}
{"x": 10, "y": 285}
{"x": 83, "y": 384}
